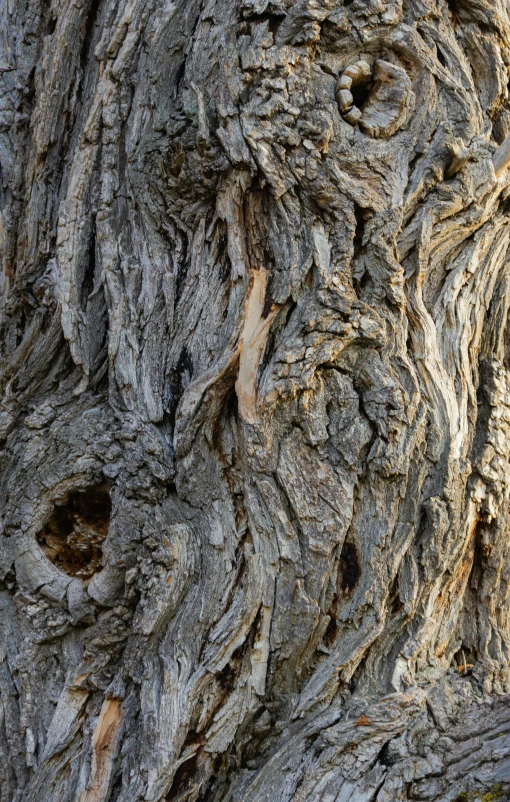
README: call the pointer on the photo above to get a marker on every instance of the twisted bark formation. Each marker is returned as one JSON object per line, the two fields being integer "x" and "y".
{"x": 255, "y": 401}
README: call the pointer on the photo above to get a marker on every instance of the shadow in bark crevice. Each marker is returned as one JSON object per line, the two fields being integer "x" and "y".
{"x": 453, "y": 7}
{"x": 180, "y": 377}
{"x": 349, "y": 568}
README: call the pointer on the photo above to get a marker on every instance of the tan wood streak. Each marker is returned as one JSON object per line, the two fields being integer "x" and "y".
{"x": 104, "y": 745}
{"x": 253, "y": 340}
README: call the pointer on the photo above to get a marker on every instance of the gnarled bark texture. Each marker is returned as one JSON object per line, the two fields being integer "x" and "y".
{"x": 255, "y": 400}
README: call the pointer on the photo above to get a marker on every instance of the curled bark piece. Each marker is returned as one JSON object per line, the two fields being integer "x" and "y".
{"x": 344, "y": 99}
{"x": 460, "y": 154}
{"x": 355, "y": 74}
{"x": 353, "y": 116}
{"x": 358, "y": 72}
{"x": 344, "y": 82}
{"x": 388, "y": 105}
{"x": 501, "y": 157}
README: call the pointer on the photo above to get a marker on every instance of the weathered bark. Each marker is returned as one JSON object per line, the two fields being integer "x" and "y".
{"x": 255, "y": 408}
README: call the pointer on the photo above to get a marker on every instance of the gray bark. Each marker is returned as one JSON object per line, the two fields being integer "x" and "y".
{"x": 255, "y": 400}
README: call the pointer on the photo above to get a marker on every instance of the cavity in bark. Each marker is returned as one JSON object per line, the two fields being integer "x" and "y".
{"x": 72, "y": 539}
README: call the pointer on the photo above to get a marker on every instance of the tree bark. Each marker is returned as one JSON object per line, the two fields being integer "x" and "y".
{"x": 255, "y": 400}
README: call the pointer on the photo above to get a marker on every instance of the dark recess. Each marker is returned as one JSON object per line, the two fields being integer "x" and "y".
{"x": 90, "y": 269}
{"x": 441, "y": 57}
{"x": 360, "y": 92}
{"x": 180, "y": 377}
{"x": 73, "y": 537}
{"x": 359, "y": 230}
{"x": 51, "y": 25}
{"x": 350, "y": 571}
{"x": 89, "y": 33}
{"x": 454, "y": 8}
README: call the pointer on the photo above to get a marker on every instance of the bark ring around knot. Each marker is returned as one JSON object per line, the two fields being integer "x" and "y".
{"x": 389, "y": 100}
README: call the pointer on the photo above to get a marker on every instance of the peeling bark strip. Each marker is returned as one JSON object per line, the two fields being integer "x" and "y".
{"x": 254, "y": 401}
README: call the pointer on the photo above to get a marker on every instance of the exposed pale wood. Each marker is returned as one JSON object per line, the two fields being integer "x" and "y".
{"x": 253, "y": 342}
{"x": 104, "y": 743}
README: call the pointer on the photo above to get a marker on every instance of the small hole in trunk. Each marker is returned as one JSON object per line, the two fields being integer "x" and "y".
{"x": 361, "y": 92}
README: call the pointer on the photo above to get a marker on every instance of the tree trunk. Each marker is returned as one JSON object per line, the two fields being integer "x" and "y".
{"x": 255, "y": 409}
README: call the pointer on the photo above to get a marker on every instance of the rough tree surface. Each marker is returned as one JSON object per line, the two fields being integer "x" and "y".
{"x": 255, "y": 400}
